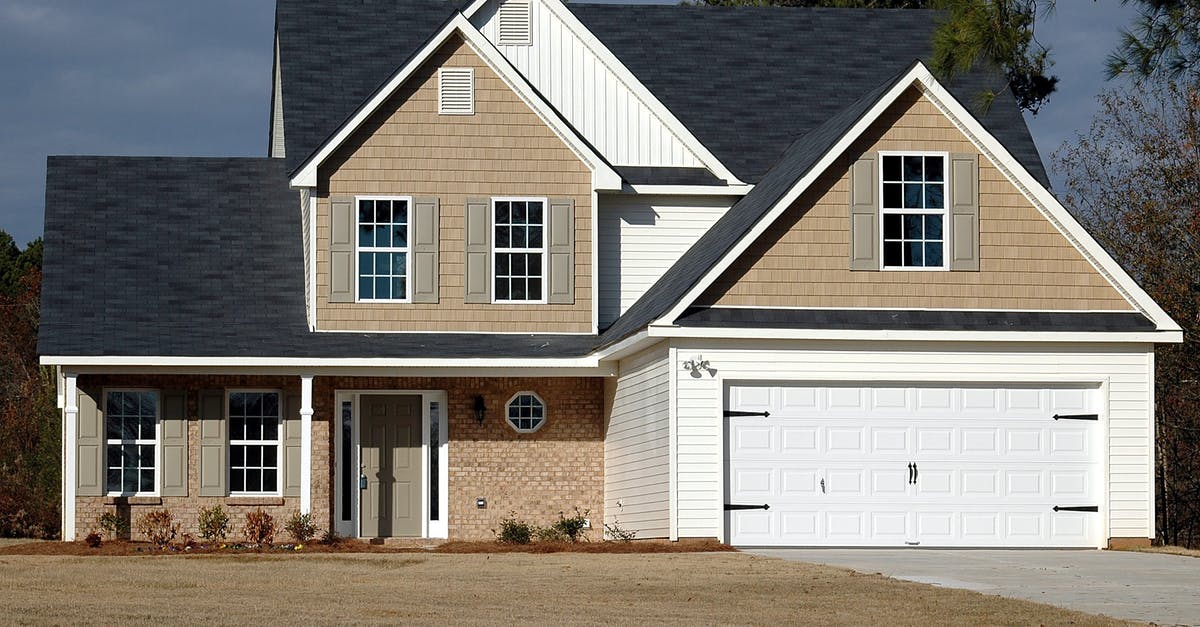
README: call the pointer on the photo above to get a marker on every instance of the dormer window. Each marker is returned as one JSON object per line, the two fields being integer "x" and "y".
{"x": 914, "y": 210}
{"x": 456, "y": 91}
{"x": 513, "y": 23}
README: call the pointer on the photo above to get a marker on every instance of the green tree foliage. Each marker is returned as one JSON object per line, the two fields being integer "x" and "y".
{"x": 1134, "y": 180}
{"x": 29, "y": 424}
{"x": 1164, "y": 41}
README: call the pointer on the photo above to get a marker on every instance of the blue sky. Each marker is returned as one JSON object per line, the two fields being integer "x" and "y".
{"x": 154, "y": 77}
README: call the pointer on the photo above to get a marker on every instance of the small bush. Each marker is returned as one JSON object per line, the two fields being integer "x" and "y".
{"x": 571, "y": 528}
{"x": 214, "y": 523}
{"x": 158, "y": 526}
{"x": 614, "y": 532}
{"x": 92, "y": 540}
{"x": 513, "y": 531}
{"x": 331, "y": 538}
{"x": 549, "y": 534}
{"x": 113, "y": 524}
{"x": 301, "y": 527}
{"x": 259, "y": 528}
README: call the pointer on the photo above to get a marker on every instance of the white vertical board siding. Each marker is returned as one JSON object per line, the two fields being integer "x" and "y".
{"x": 637, "y": 445}
{"x": 586, "y": 90}
{"x": 640, "y": 237}
{"x": 1124, "y": 374}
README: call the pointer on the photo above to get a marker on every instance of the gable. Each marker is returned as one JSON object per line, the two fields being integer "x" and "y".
{"x": 801, "y": 260}
{"x": 504, "y": 149}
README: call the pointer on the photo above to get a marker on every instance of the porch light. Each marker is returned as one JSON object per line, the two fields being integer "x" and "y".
{"x": 480, "y": 409}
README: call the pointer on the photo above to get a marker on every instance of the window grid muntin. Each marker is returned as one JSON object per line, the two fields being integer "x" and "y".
{"x": 933, "y": 220}
{"x": 525, "y": 412}
{"x": 144, "y": 450}
{"x": 391, "y": 258}
{"x": 241, "y": 448}
{"x": 523, "y": 265}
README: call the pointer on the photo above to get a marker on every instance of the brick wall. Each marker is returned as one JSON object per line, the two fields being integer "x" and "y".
{"x": 537, "y": 475}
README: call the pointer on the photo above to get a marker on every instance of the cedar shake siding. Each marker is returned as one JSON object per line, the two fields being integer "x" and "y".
{"x": 537, "y": 475}
{"x": 504, "y": 149}
{"x": 802, "y": 259}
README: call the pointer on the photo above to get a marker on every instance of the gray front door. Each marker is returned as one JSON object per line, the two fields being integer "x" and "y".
{"x": 391, "y": 459}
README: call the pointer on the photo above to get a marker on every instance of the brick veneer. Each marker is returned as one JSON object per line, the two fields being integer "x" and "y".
{"x": 537, "y": 475}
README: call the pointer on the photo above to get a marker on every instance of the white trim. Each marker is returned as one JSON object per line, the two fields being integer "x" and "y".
{"x": 315, "y": 363}
{"x": 921, "y": 336}
{"x": 508, "y": 419}
{"x": 944, "y": 212}
{"x": 603, "y": 176}
{"x": 494, "y": 250}
{"x": 306, "y": 434}
{"x": 689, "y": 190}
{"x": 312, "y": 259}
{"x": 672, "y": 445}
{"x": 1038, "y": 195}
{"x": 422, "y": 332}
{"x": 102, "y": 404}
{"x": 1152, "y": 460}
{"x": 973, "y": 309}
{"x": 70, "y": 464}
{"x": 595, "y": 264}
{"x": 279, "y": 449}
{"x": 407, "y": 250}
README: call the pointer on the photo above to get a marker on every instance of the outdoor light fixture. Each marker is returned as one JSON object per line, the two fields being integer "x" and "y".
{"x": 697, "y": 364}
{"x": 480, "y": 409}
{"x": 481, "y": 503}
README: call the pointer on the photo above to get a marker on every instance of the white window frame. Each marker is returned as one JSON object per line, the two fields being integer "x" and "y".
{"x": 407, "y": 250}
{"x": 230, "y": 443}
{"x": 544, "y": 250}
{"x": 545, "y": 413}
{"x": 157, "y": 442}
{"x": 944, "y": 211}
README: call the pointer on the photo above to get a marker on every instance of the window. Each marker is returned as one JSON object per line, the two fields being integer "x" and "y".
{"x": 456, "y": 91}
{"x": 914, "y": 210}
{"x": 131, "y": 433}
{"x": 526, "y": 412}
{"x": 254, "y": 442}
{"x": 519, "y": 249}
{"x": 383, "y": 249}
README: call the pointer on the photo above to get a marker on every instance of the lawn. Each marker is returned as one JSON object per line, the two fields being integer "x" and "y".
{"x": 561, "y": 588}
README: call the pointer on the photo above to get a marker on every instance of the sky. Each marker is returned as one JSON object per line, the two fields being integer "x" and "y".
{"x": 183, "y": 78}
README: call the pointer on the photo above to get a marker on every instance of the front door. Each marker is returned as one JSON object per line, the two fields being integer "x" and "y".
{"x": 391, "y": 462}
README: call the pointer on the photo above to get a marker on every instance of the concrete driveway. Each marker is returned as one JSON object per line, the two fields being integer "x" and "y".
{"x": 1152, "y": 587}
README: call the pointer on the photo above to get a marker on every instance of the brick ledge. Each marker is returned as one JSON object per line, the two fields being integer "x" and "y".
{"x": 254, "y": 501}
{"x": 132, "y": 500}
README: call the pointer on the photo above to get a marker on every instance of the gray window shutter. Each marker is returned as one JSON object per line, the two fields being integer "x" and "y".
{"x": 964, "y": 212}
{"x": 343, "y": 224}
{"x": 214, "y": 447}
{"x": 291, "y": 445}
{"x": 864, "y": 213}
{"x": 174, "y": 427}
{"x": 560, "y": 247}
{"x": 89, "y": 444}
{"x": 423, "y": 244}
{"x": 478, "y": 238}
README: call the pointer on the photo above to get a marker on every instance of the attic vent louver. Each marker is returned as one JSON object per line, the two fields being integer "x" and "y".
{"x": 513, "y": 26}
{"x": 456, "y": 91}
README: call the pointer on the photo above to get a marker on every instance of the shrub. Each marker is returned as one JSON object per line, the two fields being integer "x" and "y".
{"x": 113, "y": 524}
{"x": 549, "y": 534}
{"x": 615, "y": 532}
{"x": 331, "y": 538}
{"x": 301, "y": 527}
{"x": 513, "y": 531}
{"x": 259, "y": 528}
{"x": 571, "y": 528}
{"x": 92, "y": 540}
{"x": 214, "y": 523}
{"x": 158, "y": 526}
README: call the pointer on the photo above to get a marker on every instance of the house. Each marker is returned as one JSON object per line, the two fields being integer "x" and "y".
{"x": 750, "y": 274}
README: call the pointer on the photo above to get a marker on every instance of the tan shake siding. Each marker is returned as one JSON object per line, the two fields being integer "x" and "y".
{"x": 536, "y": 475}
{"x": 802, "y": 260}
{"x": 505, "y": 149}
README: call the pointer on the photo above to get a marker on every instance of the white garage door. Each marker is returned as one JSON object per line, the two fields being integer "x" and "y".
{"x": 868, "y": 466}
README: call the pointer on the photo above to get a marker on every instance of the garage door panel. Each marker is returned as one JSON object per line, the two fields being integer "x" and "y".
{"x": 798, "y": 440}
{"x": 845, "y": 440}
{"x": 888, "y": 439}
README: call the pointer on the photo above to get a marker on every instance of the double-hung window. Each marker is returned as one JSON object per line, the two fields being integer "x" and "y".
{"x": 914, "y": 210}
{"x": 520, "y": 249}
{"x": 132, "y": 439}
{"x": 254, "y": 443}
{"x": 383, "y": 248}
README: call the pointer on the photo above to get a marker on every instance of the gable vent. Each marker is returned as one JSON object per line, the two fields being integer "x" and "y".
{"x": 513, "y": 25}
{"x": 456, "y": 91}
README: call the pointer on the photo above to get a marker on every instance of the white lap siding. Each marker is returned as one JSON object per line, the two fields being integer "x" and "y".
{"x": 636, "y": 445}
{"x": 1124, "y": 374}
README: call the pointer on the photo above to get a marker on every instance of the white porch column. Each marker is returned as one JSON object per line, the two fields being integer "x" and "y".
{"x": 306, "y": 414}
{"x": 70, "y": 427}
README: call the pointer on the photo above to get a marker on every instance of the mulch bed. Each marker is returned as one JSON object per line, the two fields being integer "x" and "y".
{"x": 125, "y": 548}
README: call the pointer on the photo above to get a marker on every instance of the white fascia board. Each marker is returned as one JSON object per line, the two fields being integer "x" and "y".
{"x": 688, "y": 190}
{"x": 307, "y": 364}
{"x": 628, "y": 346}
{"x": 1145, "y": 337}
{"x": 655, "y": 105}
{"x": 603, "y": 176}
{"x": 1038, "y": 195}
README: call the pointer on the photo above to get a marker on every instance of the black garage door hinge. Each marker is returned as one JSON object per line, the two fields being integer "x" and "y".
{"x": 731, "y": 413}
{"x": 1079, "y": 508}
{"x": 733, "y": 506}
{"x": 1077, "y": 416}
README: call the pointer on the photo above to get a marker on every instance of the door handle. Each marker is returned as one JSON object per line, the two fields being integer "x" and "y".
{"x": 911, "y": 470}
{"x": 916, "y": 473}
{"x": 822, "y": 486}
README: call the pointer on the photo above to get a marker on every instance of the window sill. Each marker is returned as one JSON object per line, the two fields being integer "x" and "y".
{"x": 254, "y": 501}
{"x": 133, "y": 500}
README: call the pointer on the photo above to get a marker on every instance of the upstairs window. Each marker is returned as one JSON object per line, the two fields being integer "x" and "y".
{"x": 383, "y": 249}
{"x": 914, "y": 210}
{"x": 131, "y": 436}
{"x": 520, "y": 249}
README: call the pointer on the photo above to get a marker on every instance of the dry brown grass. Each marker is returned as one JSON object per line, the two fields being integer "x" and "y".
{"x": 561, "y": 588}
{"x": 15, "y": 541}
{"x": 1169, "y": 550}
{"x": 114, "y": 548}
